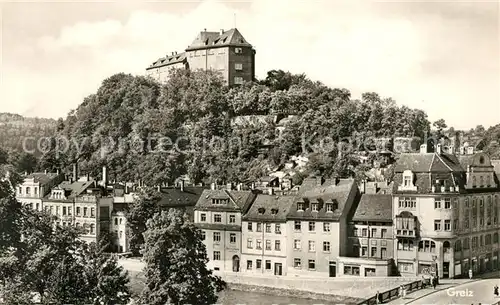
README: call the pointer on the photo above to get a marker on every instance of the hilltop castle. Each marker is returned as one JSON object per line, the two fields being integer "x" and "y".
{"x": 226, "y": 51}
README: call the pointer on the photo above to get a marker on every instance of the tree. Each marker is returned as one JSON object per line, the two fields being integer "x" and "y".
{"x": 175, "y": 257}
{"x": 26, "y": 163}
{"x": 439, "y": 125}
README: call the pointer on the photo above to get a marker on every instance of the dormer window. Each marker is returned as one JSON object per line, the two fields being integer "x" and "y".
{"x": 314, "y": 207}
{"x": 220, "y": 201}
{"x": 329, "y": 207}
{"x": 238, "y": 50}
{"x": 335, "y": 205}
{"x": 274, "y": 211}
{"x": 261, "y": 211}
{"x": 407, "y": 183}
{"x": 300, "y": 206}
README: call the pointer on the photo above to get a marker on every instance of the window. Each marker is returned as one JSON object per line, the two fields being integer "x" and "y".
{"x": 216, "y": 237}
{"x": 92, "y": 228}
{"x": 116, "y": 221}
{"x": 232, "y": 218}
{"x": 249, "y": 243}
{"x": 203, "y": 217}
{"x": 351, "y": 270}
{"x": 374, "y": 252}
{"x": 437, "y": 225}
{"x": 407, "y": 179}
{"x": 277, "y": 245}
{"x": 92, "y": 212}
{"x": 447, "y": 203}
{"x": 259, "y": 227}
{"x": 36, "y": 190}
{"x": 364, "y": 251}
{"x": 297, "y": 225}
{"x": 326, "y": 246}
{"x": 383, "y": 252}
{"x": 238, "y": 50}
{"x": 268, "y": 245}
{"x": 407, "y": 202}
{"x": 405, "y": 267}
{"x": 216, "y": 255}
{"x": 217, "y": 218}
{"x": 28, "y": 191}
{"x": 78, "y": 212}
{"x": 311, "y": 264}
{"x": 121, "y": 220}
{"x": 259, "y": 244}
{"x": 364, "y": 232}
{"x": 314, "y": 207}
{"x": 64, "y": 211}
{"x": 326, "y": 227}
{"x": 277, "y": 228}
{"x": 249, "y": 265}
{"x": 374, "y": 232}
{"x": 232, "y": 238}
{"x": 238, "y": 80}
{"x": 300, "y": 206}
{"x": 437, "y": 203}
{"x": 38, "y": 208}
{"x": 383, "y": 233}
{"x": 296, "y": 244}
{"x": 250, "y": 227}
{"x": 329, "y": 207}
{"x": 297, "y": 263}
{"x": 238, "y": 66}
{"x": 85, "y": 212}
{"x": 57, "y": 210}
{"x": 426, "y": 246}
{"x": 268, "y": 228}
{"x": 312, "y": 226}
{"x": 447, "y": 225}
{"x": 312, "y": 246}
{"x": 70, "y": 211}
{"x": 455, "y": 224}
{"x": 405, "y": 244}
{"x": 268, "y": 265}
{"x": 258, "y": 264}
{"x": 203, "y": 235}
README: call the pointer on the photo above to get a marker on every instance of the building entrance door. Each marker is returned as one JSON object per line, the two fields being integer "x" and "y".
{"x": 333, "y": 269}
{"x": 278, "y": 269}
{"x": 236, "y": 263}
{"x": 446, "y": 270}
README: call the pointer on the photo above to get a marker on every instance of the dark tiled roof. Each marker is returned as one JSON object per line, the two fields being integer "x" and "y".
{"x": 269, "y": 204}
{"x": 374, "y": 207}
{"x": 169, "y": 60}
{"x": 238, "y": 201}
{"x": 338, "y": 194}
{"x": 174, "y": 197}
{"x": 214, "y": 39}
{"x": 42, "y": 178}
{"x": 75, "y": 189}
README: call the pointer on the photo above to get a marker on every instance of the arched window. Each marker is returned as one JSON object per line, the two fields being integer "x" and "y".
{"x": 458, "y": 246}
{"x": 474, "y": 182}
{"x": 92, "y": 228}
{"x": 427, "y": 246}
{"x": 28, "y": 191}
{"x": 446, "y": 246}
{"x": 481, "y": 180}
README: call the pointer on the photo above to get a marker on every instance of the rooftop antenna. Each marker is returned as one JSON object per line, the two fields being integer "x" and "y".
{"x": 235, "y": 20}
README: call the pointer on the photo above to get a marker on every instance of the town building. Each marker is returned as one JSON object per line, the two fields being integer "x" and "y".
{"x": 180, "y": 197}
{"x": 445, "y": 210}
{"x": 226, "y": 52}
{"x": 370, "y": 238}
{"x": 265, "y": 235}
{"x": 218, "y": 215}
{"x": 35, "y": 186}
{"x": 317, "y": 226}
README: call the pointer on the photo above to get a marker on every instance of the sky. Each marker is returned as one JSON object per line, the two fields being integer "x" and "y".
{"x": 442, "y": 57}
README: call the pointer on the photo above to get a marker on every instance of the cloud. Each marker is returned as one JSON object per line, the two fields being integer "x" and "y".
{"x": 420, "y": 59}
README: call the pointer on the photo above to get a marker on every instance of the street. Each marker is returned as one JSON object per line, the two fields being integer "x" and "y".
{"x": 469, "y": 293}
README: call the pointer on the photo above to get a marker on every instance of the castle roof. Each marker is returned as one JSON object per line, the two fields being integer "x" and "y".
{"x": 207, "y": 40}
{"x": 169, "y": 60}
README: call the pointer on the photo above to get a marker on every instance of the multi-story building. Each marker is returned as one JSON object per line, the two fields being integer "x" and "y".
{"x": 218, "y": 214}
{"x": 180, "y": 197}
{"x": 446, "y": 211}
{"x": 370, "y": 238}
{"x": 35, "y": 186}
{"x": 226, "y": 52}
{"x": 317, "y": 226}
{"x": 265, "y": 234}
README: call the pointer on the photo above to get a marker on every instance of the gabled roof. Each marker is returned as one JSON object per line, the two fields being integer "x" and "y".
{"x": 175, "y": 197}
{"x": 374, "y": 207}
{"x": 270, "y": 208}
{"x": 427, "y": 162}
{"x": 206, "y": 40}
{"x": 77, "y": 188}
{"x": 42, "y": 178}
{"x": 239, "y": 201}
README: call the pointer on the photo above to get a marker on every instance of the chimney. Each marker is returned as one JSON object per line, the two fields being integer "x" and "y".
{"x": 423, "y": 148}
{"x": 175, "y": 52}
{"x": 212, "y": 186}
{"x": 158, "y": 188}
{"x": 271, "y": 191}
{"x": 222, "y": 31}
{"x": 253, "y": 185}
{"x": 104, "y": 176}
{"x": 26, "y": 173}
{"x": 204, "y": 30}
{"x": 229, "y": 186}
{"x": 470, "y": 150}
{"x": 438, "y": 149}
{"x": 363, "y": 187}
{"x": 45, "y": 172}
{"x": 88, "y": 177}
{"x": 182, "y": 185}
{"x": 75, "y": 171}
{"x": 172, "y": 53}
{"x": 126, "y": 188}
{"x": 239, "y": 187}
{"x": 57, "y": 171}
{"x": 319, "y": 181}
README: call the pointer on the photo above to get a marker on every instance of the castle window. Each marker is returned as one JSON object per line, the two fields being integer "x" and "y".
{"x": 238, "y": 80}
{"x": 238, "y": 50}
{"x": 314, "y": 207}
{"x": 238, "y": 66}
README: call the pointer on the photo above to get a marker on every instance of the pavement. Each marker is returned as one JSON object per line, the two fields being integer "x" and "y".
{"x": 456, "y": 291}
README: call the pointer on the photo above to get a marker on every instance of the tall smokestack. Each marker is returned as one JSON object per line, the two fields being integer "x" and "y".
{"x": 75, "y": 171}
{"x": 104, "y": 176}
